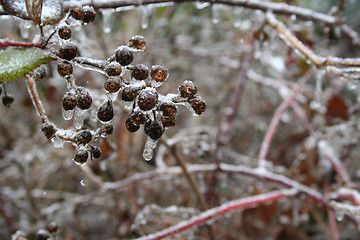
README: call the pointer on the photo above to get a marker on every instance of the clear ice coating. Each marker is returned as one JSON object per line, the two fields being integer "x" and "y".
{"x": 145, "y": 12}
{"x": 79, "y": 118}
{"x": 216, "y": 9}
{"x": 149, "y": 148}
{"x": 67, "y": 114}
{"x": 57, "y": 141}
{"x": 107, "y": 14}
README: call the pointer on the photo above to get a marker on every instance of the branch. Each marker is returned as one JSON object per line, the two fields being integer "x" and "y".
{"x": 8, "y": 43}
{"x": 231, "y": 206}
{"x": 31, "y": 86}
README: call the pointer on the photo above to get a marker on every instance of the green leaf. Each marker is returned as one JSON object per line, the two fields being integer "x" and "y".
{"x": 16, "y": 62}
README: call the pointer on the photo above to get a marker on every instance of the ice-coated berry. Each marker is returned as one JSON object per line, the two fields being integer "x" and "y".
{"x": 64, "y": 32}
{"x": 140, "y": 72}
{"x": 52, "y": 227}
{"x": 107, "y": 128}
{"x": 68, "y": 51}
{"x": 81, "y": 156}
{"x": 49, "y": 130}
{"x": 124, "y": 56}
{"x": 147, "y": 99}
{"x": 7, "y": 100}
{"x": 198, "y": 104}
{"x": 168, "y": 109}
{"x": 106, "y": 111}
{"x": 84, "y": 100}
{"x": 188, "y": 89}
{"x": 137, "y": 42}
{"x": 42, "y": 234}
{"x": 159, "y": 73}
{"x": 77, "y": 13}
{"x": 128, "y": 94}
{"x": 112, "y": 85}
{"x": 89, "y": 14}
{"x": 130, "y": 125}
{"x": 83, "y": 137}
{"x": 137, "y": 118}
{"x": 39, "y": 73}
{"x": 69, "y": 101}
{"x": 64, "y": 69}
{"x": 113, "y": 69}
{"x": 96, "y": 152}
{"x": 168, "y": 121}
{"x": 154, "y": 130}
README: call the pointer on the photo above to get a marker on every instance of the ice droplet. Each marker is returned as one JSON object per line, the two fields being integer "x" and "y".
{"x": 82, "y": 183}
{"x": 339, "y": 214}
{"x": 107, "y": 14}
{"x": 67, "y": 114}
{"x": 127, "y": 105}
{"x": 216, "y": 9}
{"x": 237, "y": 17}
{"x": 145, "y": 12}
{"x": 24, "y": 30}
{"x": 78, "y": 118}
{"x": 201, "y": 5}
{"x": 148, "y": 149}
{"x": 57, "y": 141}
{"x": 155, "y": 84}
{"x": 112, "y": 96}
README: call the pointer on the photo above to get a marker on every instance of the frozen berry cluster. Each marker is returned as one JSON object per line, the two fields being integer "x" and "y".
{"x": 132, "y": 85}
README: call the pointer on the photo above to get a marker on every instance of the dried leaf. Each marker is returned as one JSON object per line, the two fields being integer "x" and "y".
{"x": 336, "y": 109}
{"x": 34, "y": 9}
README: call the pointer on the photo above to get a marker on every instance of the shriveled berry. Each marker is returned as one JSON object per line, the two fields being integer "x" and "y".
{"x": 168, "y": 121}
{"x": 83, "y": 137}
{"x": 77, "y": 13}
{"x": 64, "y": 32}
{"x": 81, "y": 156}
{"x": 147, "y": 99}
{"x": 188, "y": 89}
{"x": 113, "y": 69}
{"x": 198, "y": 104}
{"x": 107, "y": 128}
{"x": 140, "y": 72}
{"x": 7, "y": 100}
{"x": 128, "y": 94}
{"x": 112, "y": 85}
{"x": 89, "y": 14}
{"x": 137, "y": 42}
{"x": 124, "y": 56}
{"x": 159, "y": 73}
{"x": 64, "y": 69}
{"x": 68, "y": 51}
{"x": 84, "y": 100}
{"x": 96, "y": 152}
{"x": 130, "y": 126}
{"x": 42, "y": 234}
{"x": 52, "y": 227}
{"x": 137, "y": 118}
{"x": 49, "y": 130}
{"x": 154, "y": 130}
{"x": 106, "y": 111}
{"x": 39, "y": 73}
{"x": 168, "y": 109}
{"x": 69, "y": 101}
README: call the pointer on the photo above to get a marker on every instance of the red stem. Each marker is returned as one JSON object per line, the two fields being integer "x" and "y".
{"x": 7, "y": 43}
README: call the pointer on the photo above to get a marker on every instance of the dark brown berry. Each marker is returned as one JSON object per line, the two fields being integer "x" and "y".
{"x": 147, "y": 99}
{"x": 49, "y": 130}
{"x": 81, "y": 156}
{"x": 64, "y": 69}
{"x": 124, "y": 56}
{"x": 106, "y": 111}
{"x": 83, "y": 137}
{"x": 168, "y": 121}
{"x": 154, "y": 130}
{"x": 89, "y": 14}
{"x": 140, "y": 72}
{"x": 42, "y": 234}
{"x": 168, "y": 109}
{"x": 96, "y": 152}
{"x": 130, "y": 126}
{"x": 159, "y": 73}
{"x": 188, "y": 89}
{"x": 84, "y": 100}
{"x": 198, "y": 104}
{"x": 137, "y": 42}
{"x": 52, "y": 227}
{"x": 69, "y": 101}
{"x": 68, "y": 51}
{"x": 128, "y": 94}
{"x": 112, "y": 85}
{"x": 107, "y": 128}
{"x": 137, "y": 118}
{"x": 77, "y": 13}
{"x": 39, "y": 73}
{"x": 64, "y": 32}
{"x": 113, "y": 69}
{"x": 7, "y": 100}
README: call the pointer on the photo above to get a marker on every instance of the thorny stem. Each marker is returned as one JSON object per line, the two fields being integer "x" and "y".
{"x": 265, "y": 145}
{"x": 231, "y": 206}
{"x": 191, "y": 181}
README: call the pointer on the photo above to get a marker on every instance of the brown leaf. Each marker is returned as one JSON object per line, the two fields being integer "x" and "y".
{"x": 336, "y": 109}
{"x": 34, "y": 9}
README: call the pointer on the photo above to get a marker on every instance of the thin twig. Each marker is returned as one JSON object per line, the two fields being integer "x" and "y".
{"x": 8, "y": 43}
{"x": 31, "y": 85}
